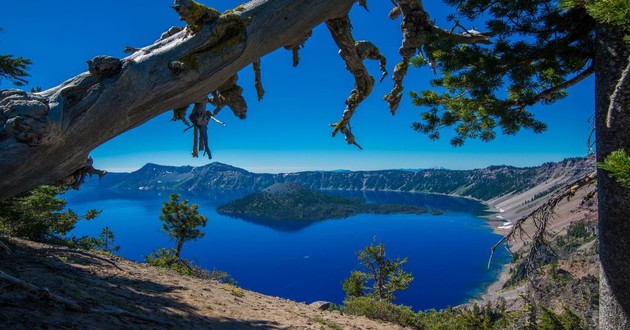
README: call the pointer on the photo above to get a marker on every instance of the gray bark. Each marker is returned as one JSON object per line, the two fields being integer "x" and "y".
{"x": 614, "y": 200}
{"x": 47, "y": 136}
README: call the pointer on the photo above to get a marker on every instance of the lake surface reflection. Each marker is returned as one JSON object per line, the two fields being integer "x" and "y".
{"x": 306, "y": 261}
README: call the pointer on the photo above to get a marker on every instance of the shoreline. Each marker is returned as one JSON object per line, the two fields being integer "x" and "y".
{"x": 496, "y": 221}
{"x": 507, "y": 209}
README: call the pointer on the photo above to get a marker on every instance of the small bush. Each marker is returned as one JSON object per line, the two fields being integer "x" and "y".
{"x": 166, "y": 258}
{"x": 104, "y": 242}
{"x": 578, "y": 230}
{"x": 217, "y": 275}
{"x": 38, "y": 215}
{"x": 327, "y": 323}
{"x": 234, "y": 290}
{"x": 380, "y": 310}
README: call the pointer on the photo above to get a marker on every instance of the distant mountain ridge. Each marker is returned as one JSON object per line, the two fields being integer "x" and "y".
{"x": 483, "y": 184}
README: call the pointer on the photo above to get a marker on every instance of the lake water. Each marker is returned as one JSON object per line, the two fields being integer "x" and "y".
{"x": 306, "y": 261}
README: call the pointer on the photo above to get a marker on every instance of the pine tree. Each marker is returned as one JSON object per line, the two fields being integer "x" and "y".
{"x": 106, "y": 241}
{"x": 386, "y": 275}
{"x": 39, "y": 215}
{"x": 182, "y": 221}
{"x": 538, "y": 51}
{"x": 14, "y": 68}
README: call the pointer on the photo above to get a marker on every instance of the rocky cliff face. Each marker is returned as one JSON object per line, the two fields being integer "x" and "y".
{"x": 480, "y": 183}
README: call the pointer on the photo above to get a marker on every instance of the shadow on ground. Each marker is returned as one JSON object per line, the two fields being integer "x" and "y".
{"x": 96, "y": 285}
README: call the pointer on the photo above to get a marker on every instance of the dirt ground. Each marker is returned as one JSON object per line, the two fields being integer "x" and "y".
{"x": 78, "y": 290}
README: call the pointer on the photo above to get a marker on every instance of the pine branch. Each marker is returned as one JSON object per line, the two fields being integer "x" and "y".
{"x": 549, "y": 92}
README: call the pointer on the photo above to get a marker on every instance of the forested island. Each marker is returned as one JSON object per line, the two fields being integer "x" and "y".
{"x": 291, "y": 201}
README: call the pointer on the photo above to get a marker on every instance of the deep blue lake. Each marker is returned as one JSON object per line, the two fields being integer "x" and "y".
{"x": 306, "y": 261}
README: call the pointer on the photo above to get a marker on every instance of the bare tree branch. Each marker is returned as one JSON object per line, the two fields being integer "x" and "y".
{"x": 340, "y": 29}
{"x": 260, "y": 91}
{"x": 549, "y": 92}
{"x": 46, "y": 136}
{"x": 541, "y": 217}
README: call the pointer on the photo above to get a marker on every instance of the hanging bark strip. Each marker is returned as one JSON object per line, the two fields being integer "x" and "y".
{"x": 340, "y": 29}
{"x": 367, "y": 50}
{"x": 296, "y": 46}
{"x": 416, "y": 27}
{"x": 68, "y": 121}
{"x": 414, "y": 18}
{"x": 260, "y": 91}
{"x": 200, "y": 117}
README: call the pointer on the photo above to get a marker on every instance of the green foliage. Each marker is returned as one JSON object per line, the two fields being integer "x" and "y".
{"x": 220, "y": 276}
{"x": 618, "y": 166}
{"x": 386, "y": 275}
{"x": 167, "y": 258}
{"x": 326, "y": 324}
{"x": 613, "y": 12}
{"x": 480, "y": 317}
{"x": 37, "y": 215}
{"x": 537, "y": 51}
{"x": 182, "y": 221}
{"x": 305, "y": 204}
{"x": 234, "y": 290}
{"x": 104, "y": 242}
{"x": 378, "y": 309}
{"x": 14, "y": 69}
{"x": 567, "y": 320}
{"x": 577, "y": 230}
{"x": 354, "y": 286}
{"x": 570, "y": 320}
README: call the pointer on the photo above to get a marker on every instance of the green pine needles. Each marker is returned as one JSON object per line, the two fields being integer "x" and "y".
{"x": 40, "y": 215}
{"x": 181, "y": 221}
{"x": 386, "y": 275}
{"x": 14, "y": 69}
{"x": 538, "y": 50}
{"x": 613, "y": 12}
{"x": 618, "y": 166}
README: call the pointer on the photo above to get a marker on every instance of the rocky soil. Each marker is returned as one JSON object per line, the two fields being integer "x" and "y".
{"x": 70, "y": 289}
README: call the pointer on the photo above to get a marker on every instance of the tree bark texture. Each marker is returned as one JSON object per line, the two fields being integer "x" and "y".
{"x": 47, "y": 136}
{"x": 178, "y": 250}
{"x": 614, "y": 200}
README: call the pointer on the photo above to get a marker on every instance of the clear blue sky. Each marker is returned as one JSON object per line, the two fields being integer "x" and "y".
{"x": 288, "y": 130}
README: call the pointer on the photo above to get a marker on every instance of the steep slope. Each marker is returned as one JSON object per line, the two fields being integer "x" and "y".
{"x": 138, "y": 296}
{"x": 568, "y": 273}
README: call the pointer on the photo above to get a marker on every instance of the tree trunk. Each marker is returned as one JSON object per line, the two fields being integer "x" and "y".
{"x": 614, "y": 200}
{"x": 178, "y": 250}
{"x": 47, "y": 136}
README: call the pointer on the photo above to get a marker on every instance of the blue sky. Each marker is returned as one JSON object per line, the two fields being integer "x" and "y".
{"x": 288, "y": 130}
